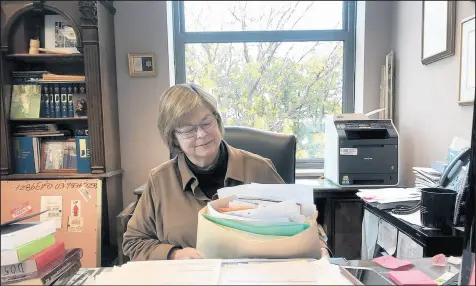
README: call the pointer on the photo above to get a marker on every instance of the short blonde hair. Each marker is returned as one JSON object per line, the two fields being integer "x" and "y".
{"x": 178, "y": 100}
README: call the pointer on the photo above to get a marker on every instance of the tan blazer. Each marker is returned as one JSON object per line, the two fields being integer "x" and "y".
{"x": 167, "y": 212}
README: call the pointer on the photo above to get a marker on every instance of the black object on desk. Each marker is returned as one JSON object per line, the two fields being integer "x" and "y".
{"x": 449, "y": 242}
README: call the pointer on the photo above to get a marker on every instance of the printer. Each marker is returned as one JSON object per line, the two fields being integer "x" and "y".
{"x": 360, "y": 152}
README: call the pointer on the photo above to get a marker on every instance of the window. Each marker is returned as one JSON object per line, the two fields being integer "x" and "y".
{"x": 279, "y": 66}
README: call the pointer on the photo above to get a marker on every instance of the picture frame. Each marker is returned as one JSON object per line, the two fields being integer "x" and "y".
{"x": 59, "y": 35}
{"x": 58, "y": 156}
{"x": 389, "y": 84}
{"x": 437, "y": 30}
{"x": 142, "y": 64}
{"x": 467, "y": 62}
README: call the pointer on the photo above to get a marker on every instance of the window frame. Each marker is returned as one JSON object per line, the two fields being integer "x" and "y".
{"x": 347, "y": 35}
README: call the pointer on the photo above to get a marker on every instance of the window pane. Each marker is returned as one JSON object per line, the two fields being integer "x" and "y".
{"x": 207, "y": 16}
{"x": 276, "y": 86}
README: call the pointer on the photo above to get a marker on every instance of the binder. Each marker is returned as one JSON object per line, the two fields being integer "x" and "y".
{"x": 83, "y": 154}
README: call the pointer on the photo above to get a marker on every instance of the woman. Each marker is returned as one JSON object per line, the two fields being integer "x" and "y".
{"x": 164, "y": 224}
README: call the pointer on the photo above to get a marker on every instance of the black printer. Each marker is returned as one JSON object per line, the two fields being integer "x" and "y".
{"x": 360, "y": 151}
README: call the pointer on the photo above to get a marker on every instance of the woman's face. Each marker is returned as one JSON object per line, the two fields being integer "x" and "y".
{"x": 201, "y": 148}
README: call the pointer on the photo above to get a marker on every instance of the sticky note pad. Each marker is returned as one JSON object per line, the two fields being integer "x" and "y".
{"x": 410, "y": 277}
{"x": 391, "y": 262}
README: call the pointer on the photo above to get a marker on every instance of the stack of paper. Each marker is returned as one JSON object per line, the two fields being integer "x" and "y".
{"x": 426, "y": 177}
{"x": 277, "y": 210}
{"x": 388, "y": 198}
{"x": 223, "y": 272}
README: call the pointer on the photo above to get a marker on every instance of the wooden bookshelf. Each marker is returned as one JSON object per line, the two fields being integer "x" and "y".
{"x": 93, "y": 25}
{"x": 46, "y": 58}
{"x": 58, "y": 176}
{"x": 50, "y": 120}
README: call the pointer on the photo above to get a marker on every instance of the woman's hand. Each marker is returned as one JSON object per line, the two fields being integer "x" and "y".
{"x": 185, "y": 253}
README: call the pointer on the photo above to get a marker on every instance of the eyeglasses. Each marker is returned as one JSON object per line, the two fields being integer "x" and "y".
{"x": 190, "y": 131}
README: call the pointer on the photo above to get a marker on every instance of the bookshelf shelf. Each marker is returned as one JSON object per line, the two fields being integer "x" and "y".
{"x": 46, "y": 58}
{"x": 59, "y": 176}
{"x": 82, "y": 118}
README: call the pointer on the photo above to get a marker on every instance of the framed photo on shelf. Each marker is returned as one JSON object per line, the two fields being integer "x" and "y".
{"x": 142, "y": 64}
{"x": 467, "y": 62}
{"x": 58, "y": 156}
{"x": 59, "y": 35}
{"x": 437, "y": 30}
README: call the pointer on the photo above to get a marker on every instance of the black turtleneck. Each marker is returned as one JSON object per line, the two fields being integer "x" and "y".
{"x": 212, "y": 179}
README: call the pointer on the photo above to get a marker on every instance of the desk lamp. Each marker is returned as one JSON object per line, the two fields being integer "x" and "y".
{"x": 467, "y": 267}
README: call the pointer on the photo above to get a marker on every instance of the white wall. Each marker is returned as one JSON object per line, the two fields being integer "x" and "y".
{"x": 427, "y": 112}
{"x": 140, "y": 27}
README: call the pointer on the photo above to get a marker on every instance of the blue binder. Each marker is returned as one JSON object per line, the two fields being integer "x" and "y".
{"x": 83, "y": 154}
{"x": 27, "y": 154}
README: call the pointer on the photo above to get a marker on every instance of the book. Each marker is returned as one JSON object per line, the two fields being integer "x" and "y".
{"x": 64, "y": 100}
{"x": 34, "y": 263}
{"x": 83, "y": 154}
{"x": 27, "y": 155}
{"x": 15, "y": 235}
{"x": 70, "y": 101}
{"x": 19, "y": 254}
{"x": 57, "y": 96}
{"x": 51, "y": 100}
{"x": 53, "y": 270}
{"x": 67, "y": 275}
{"x": 45, "y": 104}
{"x": 26, "y": 101}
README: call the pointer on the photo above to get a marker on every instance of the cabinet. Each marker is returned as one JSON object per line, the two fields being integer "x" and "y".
{"x": 93, "y": 25}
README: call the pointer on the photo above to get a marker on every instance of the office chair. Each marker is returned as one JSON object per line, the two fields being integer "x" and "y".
{"x": 279, "y": 148}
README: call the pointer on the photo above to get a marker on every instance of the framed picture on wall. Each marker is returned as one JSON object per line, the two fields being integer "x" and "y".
{"x": 437, "y": 30}
{"x": 467, "y": 62}
{"x": 142, "y": 64}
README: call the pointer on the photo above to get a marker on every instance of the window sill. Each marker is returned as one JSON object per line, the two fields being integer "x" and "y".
{"x": 309, "y": 173}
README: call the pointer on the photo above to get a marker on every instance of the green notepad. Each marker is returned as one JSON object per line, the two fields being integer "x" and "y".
{"x": 24, "y": 251}
{"x": 277, "y": 229}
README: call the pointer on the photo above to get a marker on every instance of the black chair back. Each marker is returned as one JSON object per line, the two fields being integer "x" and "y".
{"x": 279, "y": 148}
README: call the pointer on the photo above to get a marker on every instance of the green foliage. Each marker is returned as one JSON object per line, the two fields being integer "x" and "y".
{"x": 281, "y": 87}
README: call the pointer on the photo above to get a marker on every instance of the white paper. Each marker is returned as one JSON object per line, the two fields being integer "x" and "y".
{"x": 286, "y": 208}
{"x": 389, "y": 194}
{"x": 163, "y": 272}
{"x": 283, "y": 273}
{"x": 55, "y": 206}
{"x": 369, "y": 235}
{"x": 213, "y": 212}
{"x": 407, "y": 248}
{"x": 301, "y": 193}
{"x": 387, "y": 237}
